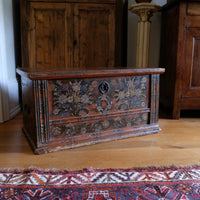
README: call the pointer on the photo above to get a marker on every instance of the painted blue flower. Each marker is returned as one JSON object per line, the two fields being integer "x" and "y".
{"x": 67, "y": 105}
{"x": 59, "y": 105}
{"x": 84, "y": 88}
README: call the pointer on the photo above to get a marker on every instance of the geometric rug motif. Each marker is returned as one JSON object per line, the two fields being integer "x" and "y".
{"x": 169, "y": 183}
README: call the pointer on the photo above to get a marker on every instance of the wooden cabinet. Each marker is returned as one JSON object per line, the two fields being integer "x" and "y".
{"x": 94, "y": 35}
{"x": 49, "y": 38}
{"x": 68, "y": 34}
{"x": 180, "y": 54}
{"x": 72, "y": 108}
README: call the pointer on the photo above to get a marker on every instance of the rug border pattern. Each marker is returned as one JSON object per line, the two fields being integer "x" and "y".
{"x": 97, "y": 176}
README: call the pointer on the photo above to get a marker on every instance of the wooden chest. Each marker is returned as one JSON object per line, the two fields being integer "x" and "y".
{"x": 66, "y": 109}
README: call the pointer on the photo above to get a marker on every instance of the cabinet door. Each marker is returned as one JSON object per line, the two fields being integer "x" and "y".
{"x": 50, "y": 35}
{"x": 94, "y": 35}
{"x": 191, "y": 71}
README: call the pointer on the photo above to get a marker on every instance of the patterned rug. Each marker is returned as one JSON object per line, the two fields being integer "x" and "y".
{"x": 107, "y": 184}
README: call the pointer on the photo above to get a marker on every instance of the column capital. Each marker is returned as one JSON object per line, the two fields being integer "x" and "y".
{"x": 144, "y": 10}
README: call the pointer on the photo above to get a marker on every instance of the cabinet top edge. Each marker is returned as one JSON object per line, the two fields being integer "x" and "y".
{"x": 80, "y": 73}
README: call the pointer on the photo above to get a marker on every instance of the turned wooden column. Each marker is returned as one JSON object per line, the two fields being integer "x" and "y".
{"x": 144, "y": 11}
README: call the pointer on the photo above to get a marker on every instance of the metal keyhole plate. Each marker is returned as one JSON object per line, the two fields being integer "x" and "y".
{"x": 104, "y": 87}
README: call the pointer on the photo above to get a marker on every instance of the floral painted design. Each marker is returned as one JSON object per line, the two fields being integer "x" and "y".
{"x": 98, "y": 126}
{"x": 81, "y": 97}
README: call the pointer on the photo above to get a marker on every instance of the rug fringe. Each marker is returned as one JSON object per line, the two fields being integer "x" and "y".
{"x": 55, "y": 170}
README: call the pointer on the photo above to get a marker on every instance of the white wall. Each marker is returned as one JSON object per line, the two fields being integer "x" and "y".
{"x": 9, "y": 102}
{"x": 154, "y": 38}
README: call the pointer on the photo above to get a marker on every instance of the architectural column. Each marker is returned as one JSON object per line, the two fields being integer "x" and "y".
{"x": 145, "y": 12}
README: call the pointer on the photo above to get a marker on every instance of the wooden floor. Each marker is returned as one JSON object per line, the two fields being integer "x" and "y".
{"x": 177, "y": 144}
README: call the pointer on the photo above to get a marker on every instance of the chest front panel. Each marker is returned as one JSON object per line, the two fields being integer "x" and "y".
{"x": 85, "y": 98}
{"x": 84, "y": 108}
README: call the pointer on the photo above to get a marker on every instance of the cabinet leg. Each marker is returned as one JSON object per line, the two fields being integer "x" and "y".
{"x": 176, "y": 113}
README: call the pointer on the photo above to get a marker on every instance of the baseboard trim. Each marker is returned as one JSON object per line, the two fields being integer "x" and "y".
{"x": 15, "y": 111}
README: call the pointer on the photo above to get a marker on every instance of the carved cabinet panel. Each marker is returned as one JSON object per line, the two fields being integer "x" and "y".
{"x": 94, "y": 38}
{"x": 180, "y": 55}
{"x": 49, "y": 35}
{"x": 68, "y": 34}
{"x": 191, "y": 71}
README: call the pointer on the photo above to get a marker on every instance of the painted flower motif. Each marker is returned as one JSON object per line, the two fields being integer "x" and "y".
{"x": 93, "y": 86}
{"x": 138, "y": 120}
{"x": 77, "y": 99}
{"x": 130, "y": 93}
{"x": 106, "y": 123}
{"x": 131, "y": 84}
{"x": 70, "y": 129}
{"x": 123, "y": 107}
{"x": 97, "y": 127}
{"x": 113, "y": 82}
{"x": 59, "y": 105}
{"x": 144, "y": 79}
{"x": 143, "y": 104}
{"x": 121, "y": 95}
{"x": 99, "y": 108}
{"x": 55, "y": 93}
{"x": 109, "y": 106}
{"x": 62, "y": 99}
{"x": 104, "y": 97}
{"x": 76, "y": 86}
{"x": 70, "y": 99}
{"x": 142, "y": 87}
{"x": 59, "y": 82}
{"x": 83, "y": 112}
{"x": 67, "y": 106}
{"x": 85, "y": 99}
{"x": 129, "y": 124}
{"x": 56, "y": 111}
{"x": 92, "y": 98}
{"x": 138, "y": 92}
{"x": 84, "y": 88}
{"x": 83, "y": 130}
{"x": 56, "y": 131}
{"x": 118, "y": 119}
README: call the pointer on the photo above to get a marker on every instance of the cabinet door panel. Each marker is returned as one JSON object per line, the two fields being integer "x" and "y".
{"x": 49, "y": 35}
{"x": 94, "y": 35}
{"x": 191, "y": 72}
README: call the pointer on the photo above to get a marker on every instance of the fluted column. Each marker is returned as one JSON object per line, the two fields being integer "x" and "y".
{"x": 144, "y": 11}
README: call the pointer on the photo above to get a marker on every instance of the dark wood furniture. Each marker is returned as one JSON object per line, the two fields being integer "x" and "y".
{"x": 71, "y": 108}
{"x": 72, "y": 33}
{"x": 180, "y": 55}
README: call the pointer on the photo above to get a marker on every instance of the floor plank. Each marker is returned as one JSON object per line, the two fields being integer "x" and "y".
{"x": 178, "y": 143}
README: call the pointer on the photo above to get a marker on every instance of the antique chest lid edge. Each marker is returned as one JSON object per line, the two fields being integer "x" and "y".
{"x": 85, "y": 73}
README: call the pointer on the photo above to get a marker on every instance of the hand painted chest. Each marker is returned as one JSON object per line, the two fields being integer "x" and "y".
{"x": 66, "y": 109}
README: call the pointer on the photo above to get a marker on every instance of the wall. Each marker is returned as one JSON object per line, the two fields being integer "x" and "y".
{"x": 154, "y": 38}
{"x": 9, "y": 103}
